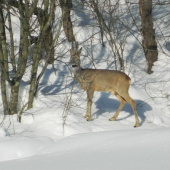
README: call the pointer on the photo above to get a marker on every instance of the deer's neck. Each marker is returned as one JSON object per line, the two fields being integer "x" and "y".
{"x": 77, "y": 71}
{"x": 81, "y": 78}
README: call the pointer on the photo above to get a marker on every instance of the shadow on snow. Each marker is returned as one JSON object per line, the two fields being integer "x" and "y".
{"x": 106, "y": 104}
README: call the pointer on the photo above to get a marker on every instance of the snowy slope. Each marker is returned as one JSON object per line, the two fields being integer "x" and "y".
{"x": 122, "y": 149}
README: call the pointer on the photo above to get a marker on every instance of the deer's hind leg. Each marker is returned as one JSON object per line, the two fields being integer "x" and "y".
{"x": 122, "y": 103}
{"x": 133, "y": 105}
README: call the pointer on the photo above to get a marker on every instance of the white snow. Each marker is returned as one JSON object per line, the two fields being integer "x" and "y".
{"x": 55, "y": 135}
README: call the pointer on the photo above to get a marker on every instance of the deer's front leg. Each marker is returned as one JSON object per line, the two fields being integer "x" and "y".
{"x": 89, "y": 104}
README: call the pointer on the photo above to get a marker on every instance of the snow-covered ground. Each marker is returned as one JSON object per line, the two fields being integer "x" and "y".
{"x": 115, "y": 149}
{"x": 55, "y": 135}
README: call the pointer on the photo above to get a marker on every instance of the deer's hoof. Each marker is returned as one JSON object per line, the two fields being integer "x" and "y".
{"x": 85, "y": 116}
{"x": 136, "y": 125}
{"x": 112, "y": 119}
{"x": 88, "y": 119}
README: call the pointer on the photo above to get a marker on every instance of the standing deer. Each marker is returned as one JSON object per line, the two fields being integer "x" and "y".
{"x": 92, "y": 80}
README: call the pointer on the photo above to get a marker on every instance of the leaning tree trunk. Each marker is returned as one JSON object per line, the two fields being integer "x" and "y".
{"x": 149, "y": 43}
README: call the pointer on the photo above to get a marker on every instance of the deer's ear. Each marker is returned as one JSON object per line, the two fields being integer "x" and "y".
{"x": 79, "y": 51}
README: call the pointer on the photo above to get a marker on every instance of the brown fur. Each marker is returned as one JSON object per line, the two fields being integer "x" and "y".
{"x": 92, "y": 80}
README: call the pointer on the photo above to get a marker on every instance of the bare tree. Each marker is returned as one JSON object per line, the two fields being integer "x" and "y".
{"x": 17, "y": 62}
{"x": 13, "y": 58}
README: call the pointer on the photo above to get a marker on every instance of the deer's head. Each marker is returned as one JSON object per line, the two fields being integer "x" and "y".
{"x": 75, "y": 53}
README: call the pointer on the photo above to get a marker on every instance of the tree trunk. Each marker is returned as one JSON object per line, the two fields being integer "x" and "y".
{"x": 149, "y": 43}
{"x": 48, "y": 42}
{"x": 3, "y": 90}
{"x": 66, "y": 6}
{"x": 13, "y": 106}
{"x": 3, "y": 93}
{"x": 34, "y": 74}
{"x": 3, "y": 62}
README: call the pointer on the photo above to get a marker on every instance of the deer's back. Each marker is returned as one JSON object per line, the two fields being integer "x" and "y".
{"x": 103, "y": 80}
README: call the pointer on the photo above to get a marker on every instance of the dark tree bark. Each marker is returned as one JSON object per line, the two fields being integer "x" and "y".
{"x": 66, "y": 6}
{"x": 3, "y": 83}
{"x": 34, "y": 74}
{"x": 149, "y": 43}
{"x": 48, "y": 41}
{"x": 3, "y": 62}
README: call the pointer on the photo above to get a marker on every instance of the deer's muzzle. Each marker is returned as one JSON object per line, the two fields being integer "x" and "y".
{"x": 74, "y": 66}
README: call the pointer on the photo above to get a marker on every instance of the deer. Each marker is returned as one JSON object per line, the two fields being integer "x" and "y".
{"x": 102, "y": 80}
